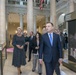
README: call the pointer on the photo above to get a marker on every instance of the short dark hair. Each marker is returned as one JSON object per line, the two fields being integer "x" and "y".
{"x": 50, "y": 23}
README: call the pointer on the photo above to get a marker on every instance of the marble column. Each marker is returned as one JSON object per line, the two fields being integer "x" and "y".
{"x": 30, "y": 23}
{"x": 34, "y": 3}
{"x": 2, "y": 22}
{"x": 35, "y": 26}
{"x": 46, "y": 18}
{"x": 71, "y": 6}
{"x": 21, "y": 21}
{"x": 7, "y": 35}
{"x": 53, "y": 12}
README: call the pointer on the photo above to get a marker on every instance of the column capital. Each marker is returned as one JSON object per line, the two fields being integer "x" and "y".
{"x": 20, "y": 13}
{"x": 46, "y": 18}
{"x": 47, "y": 15}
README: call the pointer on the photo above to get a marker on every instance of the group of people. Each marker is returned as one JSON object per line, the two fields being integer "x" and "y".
{"x": 46, "y": 47}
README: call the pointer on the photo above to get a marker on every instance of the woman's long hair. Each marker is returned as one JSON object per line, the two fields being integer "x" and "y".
{"x": 39, "y": 36}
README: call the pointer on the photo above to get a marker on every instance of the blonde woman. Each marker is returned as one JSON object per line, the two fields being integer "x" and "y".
{"x": 19, "y": 53}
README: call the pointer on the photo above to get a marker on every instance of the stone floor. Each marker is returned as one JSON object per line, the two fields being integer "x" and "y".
{"x": 26, "y": 70}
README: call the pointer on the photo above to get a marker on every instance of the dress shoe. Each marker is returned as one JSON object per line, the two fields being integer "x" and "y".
{"x": 25, "y": 56}
{"x": 40, "y": 73}
{"x": 33, "y": 70}
{"x": 28, "y": 60}
{"x": 20, "y": 72}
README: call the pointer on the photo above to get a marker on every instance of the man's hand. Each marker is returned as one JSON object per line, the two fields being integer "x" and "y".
{"x": 36, "y": 47}
{"x": 60, "y": 60}
{"x": 40, "y": 60}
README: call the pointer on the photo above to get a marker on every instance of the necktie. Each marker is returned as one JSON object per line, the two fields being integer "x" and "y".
{"x": 51, "y": 39}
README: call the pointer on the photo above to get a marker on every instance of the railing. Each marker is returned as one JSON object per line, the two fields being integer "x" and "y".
{"x": 13, "y": 2}
{"x": 46, "y": 3}
{"x": 3, "y": 56}
{"x": 17, "y": 2}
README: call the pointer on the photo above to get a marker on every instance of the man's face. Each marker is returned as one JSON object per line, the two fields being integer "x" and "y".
{"x": 31, "y": 33}
{"x": 49, "y": 27}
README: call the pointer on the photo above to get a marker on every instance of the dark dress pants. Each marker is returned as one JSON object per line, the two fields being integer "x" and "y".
{"x": 25, "y": 47}
{"x": 30, "y": 51}
{"x": 50, "y": 67}
{"x": 57, "y": 69}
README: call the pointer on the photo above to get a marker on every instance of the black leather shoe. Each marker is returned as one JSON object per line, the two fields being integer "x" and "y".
{"x": 33, "y": 70}
{"x": 28, "y": 60}
{"x": 20, "y": 72}
{"x": 25, "y": 56}
{"x": 40, "y": 73}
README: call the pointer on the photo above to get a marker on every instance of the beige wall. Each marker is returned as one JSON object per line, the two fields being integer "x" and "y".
{"x": 13, "y": 26}
{"x": 40, "y": 25}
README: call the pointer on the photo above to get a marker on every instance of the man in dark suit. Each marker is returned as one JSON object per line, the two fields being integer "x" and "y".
{"x": 51, "y": 49}
{"x": 30, "y": 44}
{"x": 26, "y": 42}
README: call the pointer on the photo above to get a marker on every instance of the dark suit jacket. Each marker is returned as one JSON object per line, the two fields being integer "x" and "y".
{"x": 26, "y": 40}
{"x": 31, "y": 41}
{"x": 50, "y": 53}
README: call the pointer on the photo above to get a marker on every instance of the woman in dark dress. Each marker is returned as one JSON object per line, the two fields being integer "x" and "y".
{"x": 19, "y": 53}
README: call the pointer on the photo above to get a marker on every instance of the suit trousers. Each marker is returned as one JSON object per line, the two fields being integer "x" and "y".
{"x": 50, "y": 66}
{"x": 35, "y": 61}
{"x": 30, "y": 51}
{"x": 57, "y": 69}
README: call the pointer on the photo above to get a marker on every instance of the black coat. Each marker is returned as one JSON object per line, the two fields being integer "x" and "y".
{"x": 35, "y": 45}
{"x": 30, "y": 41}
{"x": 26, "y": 40}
